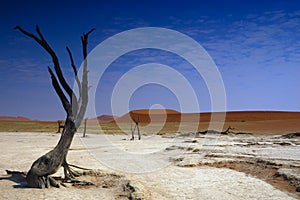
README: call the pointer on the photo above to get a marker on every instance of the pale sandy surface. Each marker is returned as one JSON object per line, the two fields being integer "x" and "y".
{"x": 19, "y": 150}
{"x": 151, "y": 161}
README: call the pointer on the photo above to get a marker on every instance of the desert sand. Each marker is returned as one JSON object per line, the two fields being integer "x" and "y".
{"x": 258, "y": 122}
{"x": 173, "y": 166}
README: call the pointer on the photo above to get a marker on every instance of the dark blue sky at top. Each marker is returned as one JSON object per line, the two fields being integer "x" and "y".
{"x": 255, "y": 45}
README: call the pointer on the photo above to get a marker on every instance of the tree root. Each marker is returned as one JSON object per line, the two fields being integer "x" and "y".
{"x": 47, "y": 181}
{"x": 74, "y": 182}
{"x": 40, "y": 181}
{"x": 78, "y": 167}
{"x": 71, "y": 174}
{"x": 68, "y": 172}
{"x": 78, "y": 182}
{"x": 16, "y": 172}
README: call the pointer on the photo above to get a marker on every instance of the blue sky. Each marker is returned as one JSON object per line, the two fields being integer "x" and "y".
{"x": 255, "y": 45}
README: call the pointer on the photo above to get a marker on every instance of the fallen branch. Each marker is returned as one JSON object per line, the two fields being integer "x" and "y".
{"x": 226, "y": 132}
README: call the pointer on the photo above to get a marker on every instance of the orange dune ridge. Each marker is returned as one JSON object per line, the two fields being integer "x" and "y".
{"x": 9, "y": 118}
{"x": 158, "y": 115}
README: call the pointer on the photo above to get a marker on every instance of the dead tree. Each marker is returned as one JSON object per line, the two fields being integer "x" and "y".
{"x": 59, "y": 126}
{"x": 136, "y": 119}
{"x": 84, "y": 128}
{"x": 227, "y": 131}
{"x": 75, "y": 106}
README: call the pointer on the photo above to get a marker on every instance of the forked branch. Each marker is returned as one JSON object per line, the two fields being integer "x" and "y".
{"x": 84, "y": 82}
{"x": 42, "y": 42}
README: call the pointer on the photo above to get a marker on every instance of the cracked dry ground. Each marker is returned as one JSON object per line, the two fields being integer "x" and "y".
{"x": 274, "y": 159}
{"x": 172, "y": 166}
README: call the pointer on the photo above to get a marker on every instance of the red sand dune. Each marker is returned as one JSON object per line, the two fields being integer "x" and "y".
{"x": 9, "y": 118}
{"x": 260, "y": 122}
{"x": 146, "y": 116}
{"x": 105, "y": 118}
{"x": 160, "y": 115}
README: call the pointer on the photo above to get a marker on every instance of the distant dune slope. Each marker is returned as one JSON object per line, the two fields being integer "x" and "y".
{"x": 147, "y": 116}
{"x": 9, "y": 118}
{"x": 160, "y": 115}
{"x": 105, "y": 118}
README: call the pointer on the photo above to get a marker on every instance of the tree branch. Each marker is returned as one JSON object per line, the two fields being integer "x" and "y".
{"x": 84, "y": 82}
{"x": 42, "y": 42}
{"x": 28, "y": 34}
{"x": 59, "y": 92}
{"x": 84, "y": 41}
{"x": 74, "y": 100}
{"x": 37, "y": 28}
{"x": 74, "y": 69}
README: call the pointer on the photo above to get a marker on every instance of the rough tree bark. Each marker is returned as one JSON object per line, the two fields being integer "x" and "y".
{"x": 39, "y": 174}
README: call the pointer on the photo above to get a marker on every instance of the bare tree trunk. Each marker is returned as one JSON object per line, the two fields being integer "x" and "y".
{"x": 59, "y": 124}
{"x": 136, "y": 119}
{"x": 84, "y": 130}
{"x": 138, "y": 129}
{"x": 39, "y": 174}
{"x": 132, "y": 131}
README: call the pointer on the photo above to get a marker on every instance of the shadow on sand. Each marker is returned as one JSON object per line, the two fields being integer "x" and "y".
{"x": 17, "y": 177}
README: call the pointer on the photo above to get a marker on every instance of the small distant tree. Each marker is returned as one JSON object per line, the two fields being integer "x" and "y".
{"x": 84, "y": 127}
{"x": 75, "y": 106}
{"x": 136, "y": 119}
{"x": 59, "y": 126}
